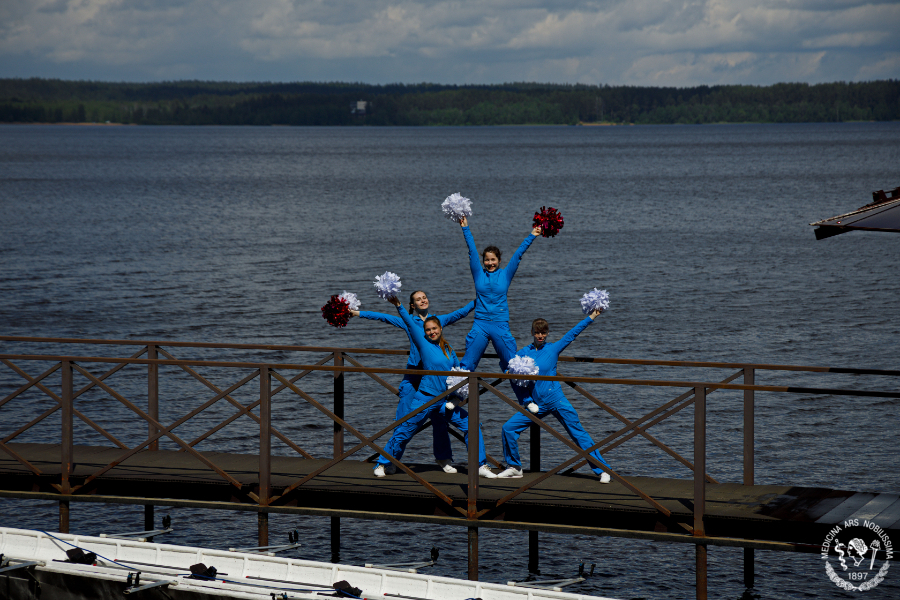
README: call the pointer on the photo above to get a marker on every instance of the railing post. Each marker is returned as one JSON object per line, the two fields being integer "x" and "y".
{"x": 338, "y": 449}
{"x": 66, "y": 445}
{"x": 152, "y": 394}
{"x": 749, "y": 460}
{"x": 700, "y": 487}
{"x": 472, "y": 496}
{"x": 265, "y": 452}
{"x": 153, "y": 411}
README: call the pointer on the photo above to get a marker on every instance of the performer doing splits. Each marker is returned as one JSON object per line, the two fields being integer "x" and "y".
{"x": 491, "y": 309}
{"x": 437, "y": 355}
{"x": 418, "y": 308}
{"x": 546, "y": 397}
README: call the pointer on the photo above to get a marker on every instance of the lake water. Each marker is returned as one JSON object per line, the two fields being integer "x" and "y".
{"x": 700, "y": 234}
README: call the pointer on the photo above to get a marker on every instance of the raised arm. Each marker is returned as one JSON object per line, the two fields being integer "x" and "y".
{"x": 457, "y": 314}
{"x": 474, "y": 262}
{"x": 573, "y": 333}
{"x": 517, "y": 257}
{"x": 416, "y": 332}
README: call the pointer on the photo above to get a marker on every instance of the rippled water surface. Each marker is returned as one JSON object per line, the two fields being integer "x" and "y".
{"x": 700, "y": 234}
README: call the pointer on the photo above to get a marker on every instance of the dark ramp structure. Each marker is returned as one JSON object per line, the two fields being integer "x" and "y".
{"x": 882, "y": 214}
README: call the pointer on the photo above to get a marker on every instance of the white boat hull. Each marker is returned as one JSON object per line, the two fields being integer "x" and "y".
{"x": 240, "y": 575}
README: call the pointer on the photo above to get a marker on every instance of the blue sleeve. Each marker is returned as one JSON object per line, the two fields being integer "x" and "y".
{"x": 417, "y": 334}
{"x": 474, "y": 263}
{"x": 377, "y": 316}
{"x": 571, "y": 335}
{"x": 457, "y": 314}
{"x": 517, "y": 257}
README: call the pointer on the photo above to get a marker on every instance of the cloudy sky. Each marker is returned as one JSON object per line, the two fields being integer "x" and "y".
{"x": 615, "y": 42}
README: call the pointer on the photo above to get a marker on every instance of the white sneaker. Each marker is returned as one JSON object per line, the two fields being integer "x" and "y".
{"x": 510, "y": 473}
{"x": 382, "y": 470}
{"x": 605, "y": 478}
{"x": 446, "y": 466}
{"x": 485, "y": 471}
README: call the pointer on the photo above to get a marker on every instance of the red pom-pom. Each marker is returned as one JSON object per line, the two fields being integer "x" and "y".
{"x": 336, "y": 311}
{"x": 549, "y": 220}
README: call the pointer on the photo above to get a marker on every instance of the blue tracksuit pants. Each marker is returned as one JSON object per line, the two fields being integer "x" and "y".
{"x": 440, "y": 436}
{"x": 560, "y": 407}
{"x": 497, "y": 332}
{"x": 439, "y": 416}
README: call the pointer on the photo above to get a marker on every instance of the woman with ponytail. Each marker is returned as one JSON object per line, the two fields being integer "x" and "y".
{"x": 436, "y": 355}
{"x": 418, "y": 310}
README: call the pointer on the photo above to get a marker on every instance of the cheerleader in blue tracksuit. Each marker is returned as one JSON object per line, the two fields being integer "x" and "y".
{"x": 436, "y": 355}
{"x": 491, "y": 309}
{"x": 546, "y": 397}
{"x": 418, "y": 308}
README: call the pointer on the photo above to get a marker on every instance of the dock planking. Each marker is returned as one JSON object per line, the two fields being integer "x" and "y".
{"x": 577, "y": 502}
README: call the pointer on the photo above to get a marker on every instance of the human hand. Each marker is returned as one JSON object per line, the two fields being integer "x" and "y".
{"x": 393, "y": 300}
{"x": 464, "y": 222}
{"x": 536, "y": 231}
{"x": 354, "y": 313}
{"x": 593, "y": 314}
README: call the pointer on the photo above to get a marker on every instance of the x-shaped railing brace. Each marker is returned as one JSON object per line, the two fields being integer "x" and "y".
{"x": 366, "y": 441}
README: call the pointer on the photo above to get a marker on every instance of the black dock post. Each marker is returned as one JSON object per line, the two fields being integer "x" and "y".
{"x": 148, "y": 519}
{"x": 533, "y": 566}
{"x": 749, "y": 427}
{"x": 701, "y": 572}
{"x": 473, "y": 553}
{"x": 534, "y": 432}
{"x": 67, "y": 446}
{"x": 265, "y": 453}
{"x": 472, "y": 495}
{"x": 700, "y": 486}
{"x": 153, "y": 412}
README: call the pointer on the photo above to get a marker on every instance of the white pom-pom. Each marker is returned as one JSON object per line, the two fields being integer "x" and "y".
{"x": 533, "y": 407}
{"x": 452, "y": 380}
{"x": 351, "y": 299}
{"x": 523, "y": 365}
{"x": 456, "y": 207}
{"x": 387, "y": 285}
{"x": 594, "y": 300}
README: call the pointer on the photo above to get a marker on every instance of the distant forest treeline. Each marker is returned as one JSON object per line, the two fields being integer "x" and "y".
{"x": 222, "y": 103}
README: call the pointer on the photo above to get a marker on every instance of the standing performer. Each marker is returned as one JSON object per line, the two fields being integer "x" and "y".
{"x": 491, "y": 309}
{"x": 418, "y": 308}
{"x": 436, "y": 355}
{"x": 546, "y": 397}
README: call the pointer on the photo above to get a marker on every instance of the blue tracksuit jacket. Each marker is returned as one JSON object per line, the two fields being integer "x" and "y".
{"x": 491, "y": 288}
{"x": 550, "y": 399}
{"x": 431, "y": 356}
{"x": 414, "y": 361}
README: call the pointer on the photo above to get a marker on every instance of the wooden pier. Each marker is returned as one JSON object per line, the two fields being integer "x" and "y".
{"x": 760, "y": 516}
{"x": 699, "y": 511}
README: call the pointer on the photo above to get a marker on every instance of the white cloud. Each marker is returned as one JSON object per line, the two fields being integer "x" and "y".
{"x": 886, "y": 68}
{"x": 641, "y": 42}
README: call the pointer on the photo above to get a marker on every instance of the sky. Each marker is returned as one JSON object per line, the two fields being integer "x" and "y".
{"x": 614, "y": 42}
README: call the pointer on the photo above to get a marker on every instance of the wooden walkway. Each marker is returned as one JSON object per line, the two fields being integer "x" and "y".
{"x": 799, "y": 516}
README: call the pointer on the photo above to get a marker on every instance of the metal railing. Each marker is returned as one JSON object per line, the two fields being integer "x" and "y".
{"x": 273, "y": 380}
